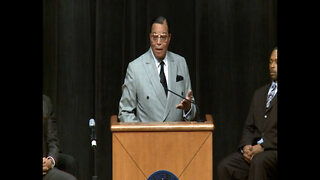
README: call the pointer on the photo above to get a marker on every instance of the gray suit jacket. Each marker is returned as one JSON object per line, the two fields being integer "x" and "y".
{"x": 143, "y": 97}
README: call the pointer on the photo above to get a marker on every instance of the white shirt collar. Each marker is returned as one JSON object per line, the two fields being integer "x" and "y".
{"x": 166, "y": 65}
{"x": 274, "y": 83}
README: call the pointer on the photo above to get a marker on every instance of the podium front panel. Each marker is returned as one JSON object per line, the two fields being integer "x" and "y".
{"x": 139, "y": 154}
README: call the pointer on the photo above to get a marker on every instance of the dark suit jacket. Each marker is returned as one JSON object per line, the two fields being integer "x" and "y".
{"x": 50, "y": 139}
{"x": 261, "y": 122}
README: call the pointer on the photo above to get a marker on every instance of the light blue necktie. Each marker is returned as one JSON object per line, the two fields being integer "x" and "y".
{"x": 271, "y": 94}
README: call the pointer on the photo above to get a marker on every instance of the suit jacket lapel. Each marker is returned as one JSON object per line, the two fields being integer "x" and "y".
{"x": 172, "y": 73}
{"x": 153, "y": 75}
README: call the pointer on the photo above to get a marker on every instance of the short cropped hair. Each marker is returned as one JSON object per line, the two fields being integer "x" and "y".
{"x": 159, "y": 20}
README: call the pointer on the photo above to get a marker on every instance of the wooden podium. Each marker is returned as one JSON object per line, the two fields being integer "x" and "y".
{"x": 182, "y": 148}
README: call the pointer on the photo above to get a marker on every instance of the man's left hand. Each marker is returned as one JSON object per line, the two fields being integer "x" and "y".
{"x": 184, "y": 104}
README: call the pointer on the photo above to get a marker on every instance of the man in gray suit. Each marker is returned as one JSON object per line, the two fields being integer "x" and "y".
{"x": 146, "y": 95}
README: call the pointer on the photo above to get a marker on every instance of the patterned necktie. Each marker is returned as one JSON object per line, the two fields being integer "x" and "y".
{"x": 271, "y": 94}
{"x": 163, "y": 78}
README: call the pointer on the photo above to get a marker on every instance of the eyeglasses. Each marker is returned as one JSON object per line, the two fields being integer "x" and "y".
{"x": 162, "y": 37}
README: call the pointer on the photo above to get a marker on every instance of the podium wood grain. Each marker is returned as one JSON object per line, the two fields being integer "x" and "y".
{"x": 183, "y": 148}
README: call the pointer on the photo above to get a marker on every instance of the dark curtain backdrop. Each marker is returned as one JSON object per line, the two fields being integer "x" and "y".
{"x": 87, "y": 45}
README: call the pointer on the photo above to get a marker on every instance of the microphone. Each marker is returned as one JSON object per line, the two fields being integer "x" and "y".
{"x": 93, "y": 135}
{"x": 180, "y": 96}
{"x": 92, "y": 125}
{"x": 193, "y": 102}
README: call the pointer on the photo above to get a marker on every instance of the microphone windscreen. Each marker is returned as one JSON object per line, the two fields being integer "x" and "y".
{"x": 91, "y": 122}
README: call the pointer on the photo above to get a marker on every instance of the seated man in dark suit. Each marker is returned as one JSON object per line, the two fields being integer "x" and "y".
{"x": 257, "y": 156}
{"x": 50, "y": 147}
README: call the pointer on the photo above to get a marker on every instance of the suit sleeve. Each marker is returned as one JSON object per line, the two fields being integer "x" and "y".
{"x": 128, "y": 101}
{"x": 191, "y": 115}
{"x": 52, "y": 132}
{"x": 250, "y": 132}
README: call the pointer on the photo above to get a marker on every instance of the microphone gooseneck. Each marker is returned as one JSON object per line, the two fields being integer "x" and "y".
{"x": 193, "y": 102}
{"x": 181, "y": 96}
{"x": 93, "y": 134}
{"x": 92, "y": 125}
